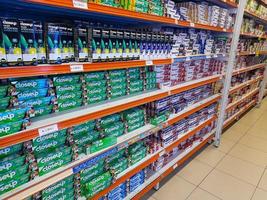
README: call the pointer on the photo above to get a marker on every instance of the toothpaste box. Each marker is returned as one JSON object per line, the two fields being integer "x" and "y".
{"x": 10, "y": 150}
{"x": 13, "y": 127}
{"x": 11, "y": 41}
{"x": 54, "y": 46}
{"x": 28, "y": 42}
{"x": 66, "y": 42}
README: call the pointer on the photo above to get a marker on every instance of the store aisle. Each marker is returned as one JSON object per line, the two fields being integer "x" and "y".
{"x": 235, "y": 171}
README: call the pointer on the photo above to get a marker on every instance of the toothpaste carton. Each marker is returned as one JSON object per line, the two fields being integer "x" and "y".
{"x": 54, "y": 46}
{"x": 11, "y": 40}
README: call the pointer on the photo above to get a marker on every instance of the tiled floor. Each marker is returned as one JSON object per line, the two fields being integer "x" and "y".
{"x": 237, "y": 170}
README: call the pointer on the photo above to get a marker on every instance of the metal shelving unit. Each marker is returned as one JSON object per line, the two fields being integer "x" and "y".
{"x": 74, "y": 117}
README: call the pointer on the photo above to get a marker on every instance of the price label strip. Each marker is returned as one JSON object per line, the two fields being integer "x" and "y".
{"x": 47, "y": 130}
{"x": 76, "y": 68}
{"x": 80, "y": 4}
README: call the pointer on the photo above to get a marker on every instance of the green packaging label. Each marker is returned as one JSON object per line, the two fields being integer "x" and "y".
{"x": 41, "y": 111}
{"x": 96, "y": 91}
{"x": 97, "y": 98}
{"x": 132, "y": 114}
{"x": 61, "y": 184}
{"x": 68, "y": 191}
{"x": 93, "y": 174}
{"x": 114, "y": 127}
{"x": 5, "y": 187}
{"x": 159, "y": 119}
{"x": 66, "y": 80}
{"x": 66, "y": 105}
{"x": 7, "y": 165}
{"x": 4, "y": 103}
{"x": 119, "y": 86}
{"x": 117, "y": 80}
{"x": 12, "y": 115}
{"x": 135, "y": 126}
{"x": 69, "y": 96}
{"x": 116, "y": 156}
{"x": 138, "y": 155}
{"x": 94, "y": 76}
{"x": 83, "y": 128}
{"x": 136, "y": 89}
{"x": 13, "y": 174}
{"x": 118, "y": 166}
{"x": 59, "y": 153}
{"x": 96, "y": 84}
{"x": 3, "y": 90}
{"x": 9, "y": 128}
{"x": 96, "y": 183}
{"x": 113, "y": 74}
{"x": 87, "y": 138}
{"x": 117, "y": 93}
{"x": 68, "y": 88}
{"x": 109, "y": 120}
{"x": 50, "y": 137}
{"x": 10, "y": 150}
{"x": 101, "y": 144}
{"x": 54, "y": 165}
{"x": 48, "y": 146}
{"x": 135, "y": 147}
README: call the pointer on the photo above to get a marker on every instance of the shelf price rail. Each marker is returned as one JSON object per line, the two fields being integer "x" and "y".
{"x": 122, "y": 13}
{"x": 61, "y": 121}
{"x": 250, "y": 68}
{"x": 245, "y": 84}
{"x": 41, "y": 183}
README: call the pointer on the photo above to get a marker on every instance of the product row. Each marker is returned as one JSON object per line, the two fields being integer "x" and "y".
{"x": 29, "y": 42}
{"x": 250, "y": 26}
{"x": 24, "y": 162}
{"x": 258, "y": 8}
{"x": 245, "y": 77}
{"x": 250, "y": 60}
{"x": 251, "y": 45}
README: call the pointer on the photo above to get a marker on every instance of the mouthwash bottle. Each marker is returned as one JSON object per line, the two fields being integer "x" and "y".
{"x": 53, "y": 43}
{"x": 2, "y": 48}
{"x": 105, "y": 45}
{"x": 119, "y": 45}
{"x": 39, "y": 42}
{"x": 81, "y": 45}
{"x": 96, "y": 45}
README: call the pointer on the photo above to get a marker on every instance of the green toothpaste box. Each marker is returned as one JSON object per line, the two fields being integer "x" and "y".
{"x": 28, "y": 42}
{"x": 118, "y": 166}
{"x": 87, "y": 138}
{"x": 94, "y": 84}
{"x": 11, "y": 41}
{"x": 115, "y": 156}
{"x": 61, "y": 184}
{"x": 63, "y": 80}
{"x": 5, "y": 187}
{"x": 10, "y": 150}
{"x": 13, "y": 174}
{"x": 97, "y": 98}
{"x": 109, "y": 119}
{"x": 135, "y": 126}
{"x": 69, "y": 96}
{"x": 70, "y": 104}
{"x": 54, "y": 165}
{"x": 94, "y": 76}
{"x": 85, "y": 178}
{"x": 57, "y": 154}
{"x": 48, "y": 146}
{"x": 44, "y": 110}
{"x": 56, "y": 136}
{"x": 68, "y": 190}
{"x": 12, "y": 164}
{"x": 68, "y": 88}
{"x": 135, "y": 147}
{"x": 101, "y": 144}
{"x": 81, "y": 129}
{"x": 3, "y": 90}
{"x": 110, "y": 129}
{"x": 13, "y": 127}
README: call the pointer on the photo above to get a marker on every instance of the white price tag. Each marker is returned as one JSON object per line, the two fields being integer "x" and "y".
{"x": 192, "y": 24}
{"x": 224, "y": 29}
{"x": 80, "y": 4}
{"x": 208, "y": 56}
{"x": 149, "y": 62}
{"x": 76, "y": 68}
{"x": 215, "y": 55}
{"x": 48, "y": 129}
{"x": 175, "y": 166}
{"x": 187, "y": 58}
{"x": 176, "y": 21}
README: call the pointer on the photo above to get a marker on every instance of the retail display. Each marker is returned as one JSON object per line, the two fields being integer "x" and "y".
{"x": 103, "y": 99}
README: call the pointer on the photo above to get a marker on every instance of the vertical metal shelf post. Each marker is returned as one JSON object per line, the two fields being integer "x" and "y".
{"x": 229, "y": 71}
{"x": 262, "y": 87}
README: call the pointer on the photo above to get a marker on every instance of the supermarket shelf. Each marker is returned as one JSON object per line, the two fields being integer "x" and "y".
{"x": 263, "y": 2}
{"x": 255, "y": 16}
{"x": 254, "y": 36}
{"x": 77, "y": 116}
{"x": 238, "y": 114}
{"x": 44, "y": 181}
{"x": 247, "y": 53}
{"x": 29, "y": 71}
{"x": 250, "y": 68}
{"x": 145, "y": 162}
{"x": 171, "y": 166}
{"x": 67, "y": 68}
{"x": 118, "y": 13}
{"x": 245, "y": 84}
{"x": 236, "y": 103}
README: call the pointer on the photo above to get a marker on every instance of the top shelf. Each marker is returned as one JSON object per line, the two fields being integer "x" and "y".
{"x": 255, "y": 16}
{"x": 118, "y": 13}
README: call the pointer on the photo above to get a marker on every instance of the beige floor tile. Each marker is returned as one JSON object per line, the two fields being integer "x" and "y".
{"x": 261, "y": 124}
{"x": 200, "y": 194}
{"x": 226, "y": 145}
{"x": 254, "y": 142}
{"x": 258, "y": 132}
{"x": 175, "y": 189}
{"x": 195, "y": 172}
{"x": 259, "y": 195}
{"x": 232, "y": 135}
{"x": 240, "y": 127}
{"x": 248, "y": 120}
{"x": 227, "y": 187}
{"x": 243, "y": 170}
{"x": 248, "y": 154}
{"x": 263, "y": 182}
{"x": 210, "y": 156}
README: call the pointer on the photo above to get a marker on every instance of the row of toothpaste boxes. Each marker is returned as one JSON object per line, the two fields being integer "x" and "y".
{"x": 24, "y": 99}
{"x": 23, "y": 162}
{"x": 30, "y": 42}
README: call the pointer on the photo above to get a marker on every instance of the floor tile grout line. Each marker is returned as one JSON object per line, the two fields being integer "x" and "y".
{"x": 258, "y": 184}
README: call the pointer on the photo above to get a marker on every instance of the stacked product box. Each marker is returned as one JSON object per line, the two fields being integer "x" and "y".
{"x": 134, "y": 118}
{"x": 251, "y": 26}
{"x": 117, "y": 83}
{"x": 137, "y": 180}
{"x": 243, "y": 77}
{"x": 69, "y": 91}
{"x": 15, "y": 168}
{"x": 171, "y": 9}
{"x": 136, "y": 152}
{"x": 251, "y": 45}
